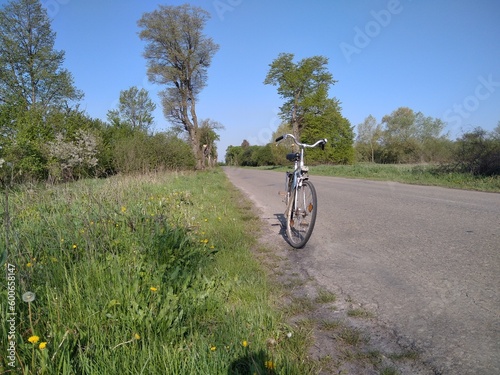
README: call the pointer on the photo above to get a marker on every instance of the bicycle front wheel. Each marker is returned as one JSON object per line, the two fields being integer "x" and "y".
{"x": 301, "y": 214}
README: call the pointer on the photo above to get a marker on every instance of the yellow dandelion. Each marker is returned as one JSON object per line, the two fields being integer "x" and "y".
{"x": 244, "y": 343}
{"x": 213, "y": 348}
{"x": 153, "y": 289}
{"x": 206, "y": 220}
{"x": 74, "y": 246}
{"x": 124, "y": 209}
{"x": 137, "y": 336}
{"x": 269, "y": 365}
{"x": 34, "y": 339}
{"x": 29, "y": 264}
{"x": 212, "y": 247}
{"x": 42, "y": 345}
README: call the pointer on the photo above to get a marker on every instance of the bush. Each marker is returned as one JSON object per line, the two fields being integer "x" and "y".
{"x": 478, "y": 153}
{"x": 145, "y": 153}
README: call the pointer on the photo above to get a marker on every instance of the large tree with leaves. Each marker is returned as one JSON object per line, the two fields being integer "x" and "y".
{"x": 30, "y": 68}
{"x": 298, "y": 84}
{"x": 178, "y": 55}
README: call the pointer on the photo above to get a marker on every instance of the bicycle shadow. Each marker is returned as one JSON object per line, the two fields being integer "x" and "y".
{"x": 282, "y": 221}
{"x": 252, "y": 363}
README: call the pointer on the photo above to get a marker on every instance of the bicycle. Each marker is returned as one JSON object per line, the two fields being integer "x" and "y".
{"x": 300, "y": 196}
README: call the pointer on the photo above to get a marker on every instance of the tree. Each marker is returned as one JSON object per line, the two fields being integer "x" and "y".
{"x": 178, "y": 56}
{"x": 233, "y": 155}
{"x": 400, "y": 136}
{"x": 30, "y": 68}
{"x": 296, "y": 82}
{"x": 208, "y": 137}
{"x": 369, "y": 133}
{"x": 135, "y": 110}
{"x": 326, "y": 121}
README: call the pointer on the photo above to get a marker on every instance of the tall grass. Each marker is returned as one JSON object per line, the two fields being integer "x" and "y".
{"x": 142, "y": 274}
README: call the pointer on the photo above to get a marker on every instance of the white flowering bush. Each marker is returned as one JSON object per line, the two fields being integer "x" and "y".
{"x": 73, "y": 158}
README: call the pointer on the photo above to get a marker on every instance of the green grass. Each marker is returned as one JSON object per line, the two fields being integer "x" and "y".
{"x": 408, "y": 173}
{"x": 143, "y": 274}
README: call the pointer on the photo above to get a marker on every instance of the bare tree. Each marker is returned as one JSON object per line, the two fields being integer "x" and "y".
{"x": 178, "y": 56}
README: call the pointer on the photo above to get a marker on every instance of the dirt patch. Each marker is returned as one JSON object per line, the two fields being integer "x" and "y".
{"x": 347, "y": 337}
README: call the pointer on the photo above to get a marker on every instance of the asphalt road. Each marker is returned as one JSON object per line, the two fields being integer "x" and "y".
{"x": 427, "y": 259}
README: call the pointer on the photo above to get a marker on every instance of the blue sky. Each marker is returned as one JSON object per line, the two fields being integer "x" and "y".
{"x": 438, "y": 57}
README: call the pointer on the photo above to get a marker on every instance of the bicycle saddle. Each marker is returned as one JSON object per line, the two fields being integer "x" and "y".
{"x": 294, "y": 156}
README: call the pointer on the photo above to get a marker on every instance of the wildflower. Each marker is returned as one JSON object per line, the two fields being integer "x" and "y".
{"x": 206, "y": 220}
{"x": 29, "y": 264}
{"x": 137, "y": 336}
{"x": 74, "y": 246}
{"x": 28, "y": 297}
{"x": 34, "y": 339}
{"x": 205, "y": 241}
{"x": 244, "y": 343}
{"x": 153, "y": 289}
{"x": 124, "y": 209}
{"x": 42, "y": 345}
{"x": 213, "y": 348}
{"x": 269, "y": 365}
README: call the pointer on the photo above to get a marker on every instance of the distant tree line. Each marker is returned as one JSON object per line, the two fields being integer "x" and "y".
{"x": 408, "y": 137}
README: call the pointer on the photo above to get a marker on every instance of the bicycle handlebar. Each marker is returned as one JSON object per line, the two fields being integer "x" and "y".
{"x": 321, "y": 142}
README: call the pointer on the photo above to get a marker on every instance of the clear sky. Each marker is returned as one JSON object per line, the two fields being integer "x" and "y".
{"x": 439, "y": 57}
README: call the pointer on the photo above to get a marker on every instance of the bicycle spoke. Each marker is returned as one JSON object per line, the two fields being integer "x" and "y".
{"x": 302, "y": 215}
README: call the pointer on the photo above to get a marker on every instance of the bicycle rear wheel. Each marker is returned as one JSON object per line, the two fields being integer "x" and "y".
{"x": 301, "y": 215}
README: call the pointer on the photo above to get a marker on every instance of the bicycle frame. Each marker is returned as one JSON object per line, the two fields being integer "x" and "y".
{"x": 299, "y": 165}
{"x": 300, "y": 211}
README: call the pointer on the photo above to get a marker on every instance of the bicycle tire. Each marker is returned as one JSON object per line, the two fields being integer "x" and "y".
{"x": 300, "y": 220}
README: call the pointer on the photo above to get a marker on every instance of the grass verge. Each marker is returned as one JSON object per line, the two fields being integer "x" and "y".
{"x": 141, "y": 274}
{"x": 432, "y": 175}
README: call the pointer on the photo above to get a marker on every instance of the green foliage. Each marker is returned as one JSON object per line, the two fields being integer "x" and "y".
{"x": 332, "y": 125}
{"x": 233, "y": 155}
{"x": 135, "y": 110}
{"x": 40, "y": 144}
{"x": 142, "y": 153}
{"x": 299, "y": 84}
{"x": 409, "y": 137}
{"x": 478, "y": 153}
{"x": 30, "y": 68}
